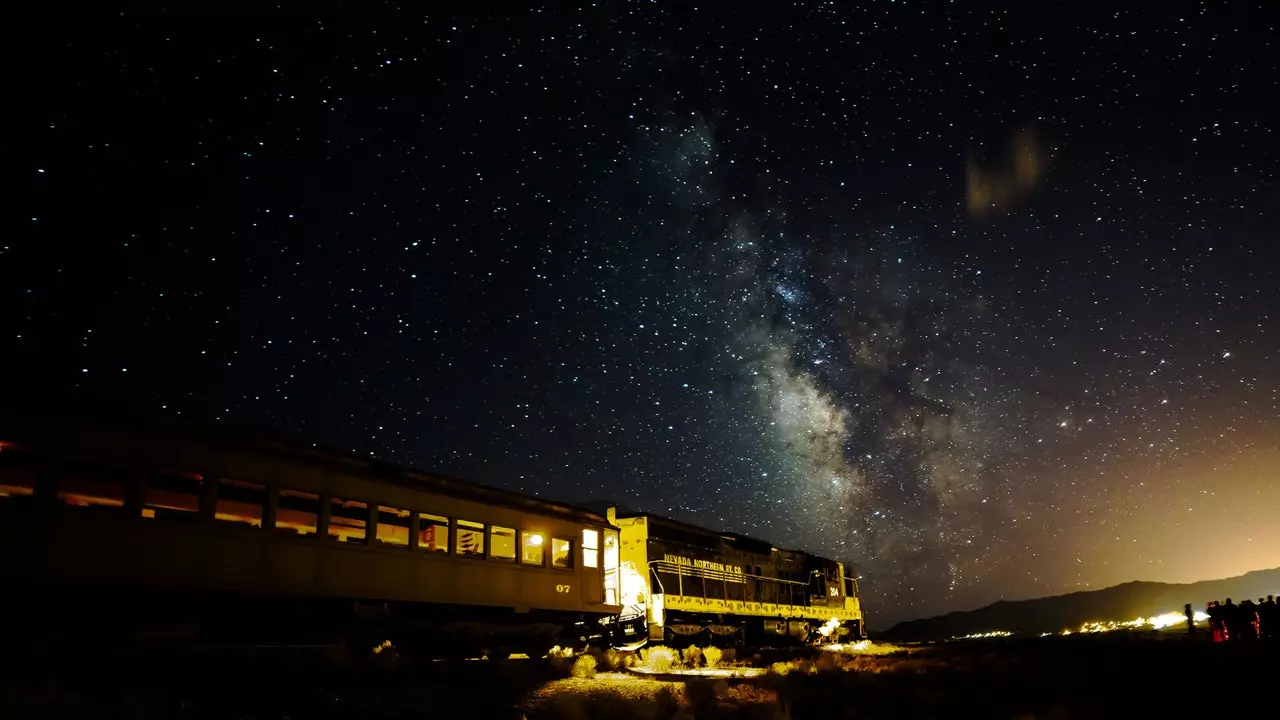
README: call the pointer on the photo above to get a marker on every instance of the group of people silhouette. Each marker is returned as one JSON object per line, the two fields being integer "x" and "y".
{"x": 1229, "y": 622}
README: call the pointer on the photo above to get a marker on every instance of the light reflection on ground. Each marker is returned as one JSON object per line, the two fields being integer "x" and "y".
{"x": 719, "y": 672}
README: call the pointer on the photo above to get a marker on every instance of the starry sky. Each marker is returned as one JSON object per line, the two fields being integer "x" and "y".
{"x": 984, "y": 301}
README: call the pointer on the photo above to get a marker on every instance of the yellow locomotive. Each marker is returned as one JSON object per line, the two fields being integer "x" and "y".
{"x": 683, "y": 584}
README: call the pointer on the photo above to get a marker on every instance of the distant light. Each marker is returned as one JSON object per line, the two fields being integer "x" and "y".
{"x": 535, "y": 540}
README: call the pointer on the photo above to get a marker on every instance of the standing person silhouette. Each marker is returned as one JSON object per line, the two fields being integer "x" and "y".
{"x": 1231, "y": 617}
{"x": 1191, "y": 620}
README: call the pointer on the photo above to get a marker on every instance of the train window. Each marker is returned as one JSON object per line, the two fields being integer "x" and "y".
{"x": 611, "y": 567}
{"x": 533, "y": 549}
{"x": 470, "y": 538}
{"x": 172, "y": 495}
{"x": 88, "y": 485}
{"x": 17, "y": 473}
{"x": 393, "y": 526}
{"x": 502, "y": 542}
{"x": 240, "y": 502}
{"x": 348, "y": 520}
{"x": 561, "y": 553}
{"x": 298, "y": 511}
{"x": 591, "y": 548}
{"x": 433, "y": 532}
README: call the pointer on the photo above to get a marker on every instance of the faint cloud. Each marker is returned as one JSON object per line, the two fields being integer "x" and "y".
{"x": 999, "y": 186}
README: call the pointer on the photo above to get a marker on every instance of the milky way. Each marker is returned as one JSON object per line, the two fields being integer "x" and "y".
{"x": 983, "y": 303}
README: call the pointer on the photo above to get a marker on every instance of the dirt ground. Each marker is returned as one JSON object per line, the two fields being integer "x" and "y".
{"x": 1049, "y": 678}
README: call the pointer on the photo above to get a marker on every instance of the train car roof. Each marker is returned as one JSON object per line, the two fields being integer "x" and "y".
{"x": 738, "y": 539}
{"x": 45, "y": 430}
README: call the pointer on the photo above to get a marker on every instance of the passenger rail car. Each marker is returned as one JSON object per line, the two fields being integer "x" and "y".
{"x": 684, "y": 584}
{"x": 218, "y": 538}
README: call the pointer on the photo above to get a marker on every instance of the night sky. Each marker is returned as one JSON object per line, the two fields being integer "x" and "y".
{"x": 984, "y": 302}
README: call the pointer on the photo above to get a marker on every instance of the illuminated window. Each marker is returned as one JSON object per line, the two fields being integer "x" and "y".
{"x": 88, "y": 485}
{"x": 611, "y": 567}
{"x": 172, "y": 495}
{"x": 591, "y": 548}
{"x": 348, "y": 520}
{"x": 17, "y": 473}
{"x": 502, "y": 542}
{"x": 561, "y": 553}
{"x": 298, "y": 511}
{"x": 533, "y": 549}
{"x": 470, "y": 538}
{"x": 433, "y": 532}
{"x": 393, "y": 526}
{"x": 240, "y": 502}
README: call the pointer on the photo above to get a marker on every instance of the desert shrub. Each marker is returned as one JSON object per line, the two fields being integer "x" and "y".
{"x": 783, "y": 668}
{"x": 713, "y": 656}
{"x": 559, "y": 652}
{"x": 612, "y": 660}
{"x": 385, "y": 655}
{"x": 691, "y": 655}
{"x": 660, "y": 659}
{"x": 584, "y": 667}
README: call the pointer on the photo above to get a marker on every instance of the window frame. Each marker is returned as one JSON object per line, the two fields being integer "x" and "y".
{"x": 304, "y": 495}
{"x": 399, "y": 513}
{"x": 435, "y": 521}
{"x": 492, "y": 531}
{"x": 568, "y": 556}
{"x": 459, "y": 526}
{"x": 593, "y": 560}
{"x": 541, "y": 545}
{"x": 347, "y": 503}
{"x": 218, "y": 499}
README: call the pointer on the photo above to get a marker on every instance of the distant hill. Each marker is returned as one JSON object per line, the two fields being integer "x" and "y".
{"x": 1053, "y": 614}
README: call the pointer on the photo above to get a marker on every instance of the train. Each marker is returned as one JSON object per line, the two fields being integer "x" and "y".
{"x": 212, "y": 535}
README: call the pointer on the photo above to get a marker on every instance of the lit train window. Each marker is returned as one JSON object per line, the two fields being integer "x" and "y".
{"x": 470, "y": 538}
{"x": 298, "y": 511}
{"x": 348, "y": 520}
{"x": 503, "y": 542}
{"x": 172, "y": 495}
{"x": 561, "y": 553}
{"x": 240, "y": 502}
{"x": 591, "y": 548}
{"x": 433, "y": 532}
{"x": 87, "y": 485}
{"x": 533, "y": 549}
{"x": 393, "y": 526}
{"x": 17, "y": 473}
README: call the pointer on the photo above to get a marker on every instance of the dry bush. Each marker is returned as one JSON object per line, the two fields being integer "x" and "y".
{"x": 613, "y": 660}
{"x": 713, "y": 655}
{"x": 385, "y": 656}
{"x": 584, "y": 667}
{"x": 660, "y": 659}
{"x": 691, "y": 655}
{"x": 784, "y": 668}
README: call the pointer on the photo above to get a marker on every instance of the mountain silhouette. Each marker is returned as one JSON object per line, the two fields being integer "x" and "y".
{"x": 1054, "y": 614}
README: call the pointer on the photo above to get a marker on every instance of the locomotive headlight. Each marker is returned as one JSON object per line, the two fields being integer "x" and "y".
{"x": 535, "y": 540}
